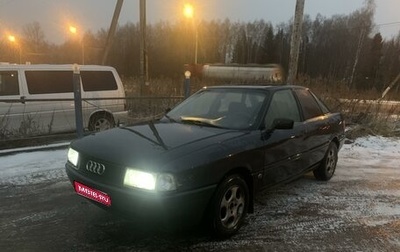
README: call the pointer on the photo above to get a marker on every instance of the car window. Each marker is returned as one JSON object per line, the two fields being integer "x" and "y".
{"x": 283, "y": 105}
{"x": 197, "y": 105}
{"x": 9, "y": 83}
{"x": 227, "y": 99}
{"x": 322, "y": 105}
{"x": 227, "y": 108}
{"x": 308, "y": 104}
{"x": 248, "y": 100}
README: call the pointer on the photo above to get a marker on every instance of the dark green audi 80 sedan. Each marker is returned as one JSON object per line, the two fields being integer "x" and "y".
{"x": 204, "y": 161}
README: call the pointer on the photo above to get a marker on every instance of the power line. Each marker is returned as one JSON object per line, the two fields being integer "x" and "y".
{"x": 388, "y": 24}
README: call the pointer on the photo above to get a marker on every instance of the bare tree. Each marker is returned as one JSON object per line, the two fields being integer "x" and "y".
{"x": 34, "y": 35}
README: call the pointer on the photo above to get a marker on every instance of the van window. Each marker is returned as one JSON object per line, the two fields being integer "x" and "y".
{"x": 9, "y": 83}
{"x": 98, "y": 80}
{"x": 47, "y": 82}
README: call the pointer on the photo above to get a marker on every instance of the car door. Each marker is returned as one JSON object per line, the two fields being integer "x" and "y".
{"x": 317, "y": 123}
{"x": 282, "y": 147}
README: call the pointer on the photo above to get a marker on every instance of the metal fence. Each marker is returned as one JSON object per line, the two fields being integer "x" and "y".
{"x": 19, "y": 122}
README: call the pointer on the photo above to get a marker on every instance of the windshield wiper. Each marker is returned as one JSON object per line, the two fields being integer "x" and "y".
{"x": 201, "y": 121}
{"x": 170, "y": 118}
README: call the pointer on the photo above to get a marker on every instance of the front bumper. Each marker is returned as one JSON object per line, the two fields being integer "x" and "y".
{"x": 178, "y": 208}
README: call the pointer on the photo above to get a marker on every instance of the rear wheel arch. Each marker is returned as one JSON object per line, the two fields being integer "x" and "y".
{"x": 336, "y": 141}
{"x": 327, "y": 166}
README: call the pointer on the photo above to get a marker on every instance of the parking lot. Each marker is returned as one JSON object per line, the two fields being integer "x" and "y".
{"x": 358, "y": 210}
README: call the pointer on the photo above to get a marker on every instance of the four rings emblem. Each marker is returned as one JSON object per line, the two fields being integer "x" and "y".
{"x": 95, "y": 167}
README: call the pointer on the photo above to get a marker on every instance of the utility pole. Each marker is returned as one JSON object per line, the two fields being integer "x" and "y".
{"x": 391, "y": 85}
{"x": 111, "y": 32}
{"x": 295, "y": 41}
{"x": 76, "y": 79}
{"x": 360, "y": 45}
{"x": 143, "y": 50}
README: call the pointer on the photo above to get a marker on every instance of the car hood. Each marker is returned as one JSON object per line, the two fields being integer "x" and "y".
{"x": 157, "y": 143}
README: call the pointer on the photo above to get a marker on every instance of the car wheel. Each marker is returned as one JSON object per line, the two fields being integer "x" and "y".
{"x": 328, "y": 165}
{"x": 100, "y": 122}
{"x": 229, "y": 206}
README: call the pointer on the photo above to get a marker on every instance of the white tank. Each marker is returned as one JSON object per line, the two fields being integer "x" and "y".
{"x": 270, "y": 72}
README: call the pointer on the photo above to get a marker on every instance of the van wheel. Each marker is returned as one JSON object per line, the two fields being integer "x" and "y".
{"x": 101, "y": 121}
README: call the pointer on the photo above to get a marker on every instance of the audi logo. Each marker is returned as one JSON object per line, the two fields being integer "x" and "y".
{"x": 95, "y": 167}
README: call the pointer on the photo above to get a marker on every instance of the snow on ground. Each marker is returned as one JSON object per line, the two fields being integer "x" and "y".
{"x": 32, "y": 166}
{"x": 366, "y": 152}
{"x": 23, "y": 163}
{"x": 358, "y": 210}
{"x": 370, "y": 152}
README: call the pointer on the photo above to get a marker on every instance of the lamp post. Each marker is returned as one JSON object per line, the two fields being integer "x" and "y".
{"x": 186, "y": 84}
{"x": 74, "y": 30}
{"x": 188, "y": 12}
{"x": 13, "y": 40}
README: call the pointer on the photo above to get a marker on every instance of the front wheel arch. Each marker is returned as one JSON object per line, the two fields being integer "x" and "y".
{"x": 247, "y": 177}
{"x": 229, "y": 206}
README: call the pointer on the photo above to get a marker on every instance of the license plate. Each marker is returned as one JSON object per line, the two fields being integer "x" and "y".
{"x": 92, "y": 194}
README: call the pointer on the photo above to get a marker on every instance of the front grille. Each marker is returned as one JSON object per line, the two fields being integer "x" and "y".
{"x": 101, "y": 171}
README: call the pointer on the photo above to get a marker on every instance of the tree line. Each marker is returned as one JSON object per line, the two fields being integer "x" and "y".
{"x": 343, "y": 48}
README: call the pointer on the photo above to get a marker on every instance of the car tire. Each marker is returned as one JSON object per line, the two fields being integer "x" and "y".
{"x": 327, "y": 167}
{"x": 100, "y": 122}
{"x": 229, "y": 206}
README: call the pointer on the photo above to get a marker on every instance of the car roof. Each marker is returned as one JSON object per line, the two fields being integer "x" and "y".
{"x": 272, "y": 87}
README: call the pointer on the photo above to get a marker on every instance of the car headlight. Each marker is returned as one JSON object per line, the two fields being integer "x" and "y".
{"x": 149, "y": 181}
{"x": 73, "y": 156}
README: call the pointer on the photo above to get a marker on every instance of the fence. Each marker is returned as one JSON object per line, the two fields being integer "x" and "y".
{"x": 25, "y": 118}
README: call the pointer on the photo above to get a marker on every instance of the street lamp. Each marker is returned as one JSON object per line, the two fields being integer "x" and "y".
{"x": 188, "y": 12}
{"x": 74, "y": 30}
{"x": 13, "y": 40}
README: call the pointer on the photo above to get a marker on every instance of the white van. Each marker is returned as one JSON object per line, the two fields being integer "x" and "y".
{"x": 38, "y": 99}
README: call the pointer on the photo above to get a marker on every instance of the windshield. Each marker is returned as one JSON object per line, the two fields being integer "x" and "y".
{"x": 225, "y": 108}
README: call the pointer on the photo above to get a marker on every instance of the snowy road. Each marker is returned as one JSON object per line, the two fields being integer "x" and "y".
{"x": 358, "y": 210}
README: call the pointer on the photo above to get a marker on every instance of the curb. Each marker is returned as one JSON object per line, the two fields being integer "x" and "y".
{"x": 56, "y": 146}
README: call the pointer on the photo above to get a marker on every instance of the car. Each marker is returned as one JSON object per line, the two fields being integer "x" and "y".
{"x": 205, "y": 160}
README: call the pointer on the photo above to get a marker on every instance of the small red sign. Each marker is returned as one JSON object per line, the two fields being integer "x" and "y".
{"x": 92, "y": 194}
